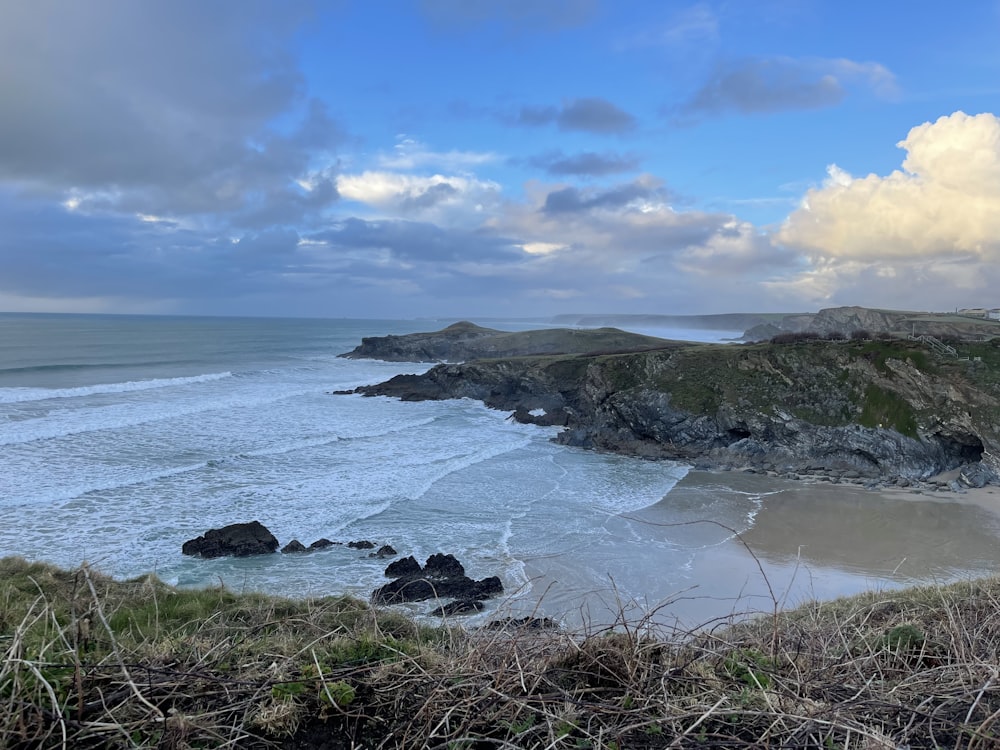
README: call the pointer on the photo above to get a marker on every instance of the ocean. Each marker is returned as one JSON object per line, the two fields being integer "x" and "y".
{"x": 123, "y": 436}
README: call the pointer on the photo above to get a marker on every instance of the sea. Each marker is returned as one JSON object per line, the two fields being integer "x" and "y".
{"x": 123, "y": 436}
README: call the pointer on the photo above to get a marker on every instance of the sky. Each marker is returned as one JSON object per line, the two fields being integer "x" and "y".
{"x": 508, "y": 158}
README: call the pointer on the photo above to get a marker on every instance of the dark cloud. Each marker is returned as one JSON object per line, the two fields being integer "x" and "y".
{"x": 523, "y": 15}
{"x": 762, "y": 85}
{"x": 585, "y": 163}
{"x": 574, "y": 200}
{"x": 431, "y": 197}
{"x": 413, "y": 240}
{"x": 157, "y": 107}
{"x": 594, "y": 115}
{"x": 532, "y": 116}
{"x": 758, "y": 85}
{"x": 588, "y": 114}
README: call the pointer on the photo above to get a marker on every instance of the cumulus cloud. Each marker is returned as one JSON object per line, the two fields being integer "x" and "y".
{"x": 921, "y": 237}
{"x": 585, "y": 163}
{"x": 944, "y": 202}
{"x": 772, "y": 84}
{"x": 587, "y": 114}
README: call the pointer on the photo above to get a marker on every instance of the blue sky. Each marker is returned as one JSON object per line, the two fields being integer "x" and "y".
{"x": 498, "y": 158}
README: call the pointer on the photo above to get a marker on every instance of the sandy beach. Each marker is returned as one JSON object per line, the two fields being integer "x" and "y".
{"x": 798, "y": 540}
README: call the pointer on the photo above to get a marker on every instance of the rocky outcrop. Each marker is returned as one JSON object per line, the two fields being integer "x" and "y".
{"x": 881, "y": 409}
{"x": 465, "y": 341}
{"x": 235, "y": 540}
{"x": 441, "y": 577}
{"x": 846, "y": 320}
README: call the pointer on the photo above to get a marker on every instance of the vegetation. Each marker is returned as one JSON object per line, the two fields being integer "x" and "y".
{"x": 888, "y": 409}
{"x": 90, "y": 662}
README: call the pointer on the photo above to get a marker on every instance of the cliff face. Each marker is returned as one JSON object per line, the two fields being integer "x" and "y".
{"x": 882, "y": 409}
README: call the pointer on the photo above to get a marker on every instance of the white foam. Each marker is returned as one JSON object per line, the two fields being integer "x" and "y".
{"x": 24, "y": 395}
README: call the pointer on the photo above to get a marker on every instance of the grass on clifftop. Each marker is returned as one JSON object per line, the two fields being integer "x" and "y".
{"x": 93, "y": 663}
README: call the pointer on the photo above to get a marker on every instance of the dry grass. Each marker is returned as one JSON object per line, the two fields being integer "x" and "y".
{"x": 89, "y": 662}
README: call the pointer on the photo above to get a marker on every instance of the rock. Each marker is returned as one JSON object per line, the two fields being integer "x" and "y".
{"x": 407, "y": 566}
{"x": 294, "y": 546}
{"x": 236, "y": 540}
{"x": 458, "y": 607}
{"x": 322, "y": 544}
{"x": 412, "y": 589}
{"x": 384, "y": 551}
{"x": 443, "y": 566}
{"x": 363, "y": 544}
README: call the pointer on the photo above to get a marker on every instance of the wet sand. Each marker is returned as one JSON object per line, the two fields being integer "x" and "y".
{"x": 679, "y": 563}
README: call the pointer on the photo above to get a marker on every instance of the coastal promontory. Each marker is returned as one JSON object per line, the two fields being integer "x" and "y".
{"x": 464, "y": 341}
{"x": 888, "y": 409}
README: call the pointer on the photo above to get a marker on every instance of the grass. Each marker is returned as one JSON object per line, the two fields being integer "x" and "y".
{"x": 94, "y": 663}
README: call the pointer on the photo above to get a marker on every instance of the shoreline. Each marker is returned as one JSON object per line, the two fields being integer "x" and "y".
{"x": 798, "y": 540}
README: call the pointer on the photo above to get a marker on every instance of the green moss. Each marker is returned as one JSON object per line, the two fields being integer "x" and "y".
{"x": 887, "y": 409}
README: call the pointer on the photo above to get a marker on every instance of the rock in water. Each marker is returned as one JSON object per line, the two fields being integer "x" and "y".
{"x": 294, "y": 546}
{"x": 407, "y": 566}
{"x": 236, "y": 540}
{"x": 443, "y": 566}
{"x": 413, "y": 589}
{"x": 458, "y": 607}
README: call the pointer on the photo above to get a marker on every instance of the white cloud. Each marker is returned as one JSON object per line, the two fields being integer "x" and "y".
{"x": 452, "y": 199}
{"x": 412, "y": 154}
{"x": 943, "y": 203}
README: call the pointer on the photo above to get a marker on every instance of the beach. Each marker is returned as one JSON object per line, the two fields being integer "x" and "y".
{"x": 798, "y": 541}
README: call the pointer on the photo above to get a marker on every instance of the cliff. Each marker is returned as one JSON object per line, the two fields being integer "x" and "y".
{"x": 465, "y": 341}
{"x": 882, "y": 409}
{"x": 845, "y": 320}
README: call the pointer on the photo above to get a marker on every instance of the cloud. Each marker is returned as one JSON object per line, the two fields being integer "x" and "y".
{"x": 588, "y": 114}
{"x": 523, "y": 15}
{"x": 645, "y": 192}
{"x": 594, "y": 115}
{"x": 772, "y": 84}
{"x": 460, "y": 199}
{"x": 585, "y": 163}
{"x": 163, "y": 108}
{"x": 689, "y": 28}
{"x": 410, "y": 153}
{"x": 943, "y": 203}
{"x": 926, "y": 236}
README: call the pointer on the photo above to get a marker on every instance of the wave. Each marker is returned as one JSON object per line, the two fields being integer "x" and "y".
{"x": 122, "y": 416}
{"x": 23, "y": 395}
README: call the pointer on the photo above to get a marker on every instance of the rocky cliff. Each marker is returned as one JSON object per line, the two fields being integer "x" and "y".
{"x": 464, "y": 341}
{"x": 885, "y": 409}
{"x": 846, "y": 320}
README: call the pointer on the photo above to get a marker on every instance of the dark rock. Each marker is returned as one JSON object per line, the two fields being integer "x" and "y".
{"x": 443, "y": 566}
{"x": 384, "y": 551}
{"x": 322, "y": 544}
{"x": 407, "y": 566}
{"x": 294, "y": 546}
{"x": 413, "y": 589}
{"x": 236, "y": 540}
{"x": 458, "y": 607}
{"x": 363, "y": 544}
